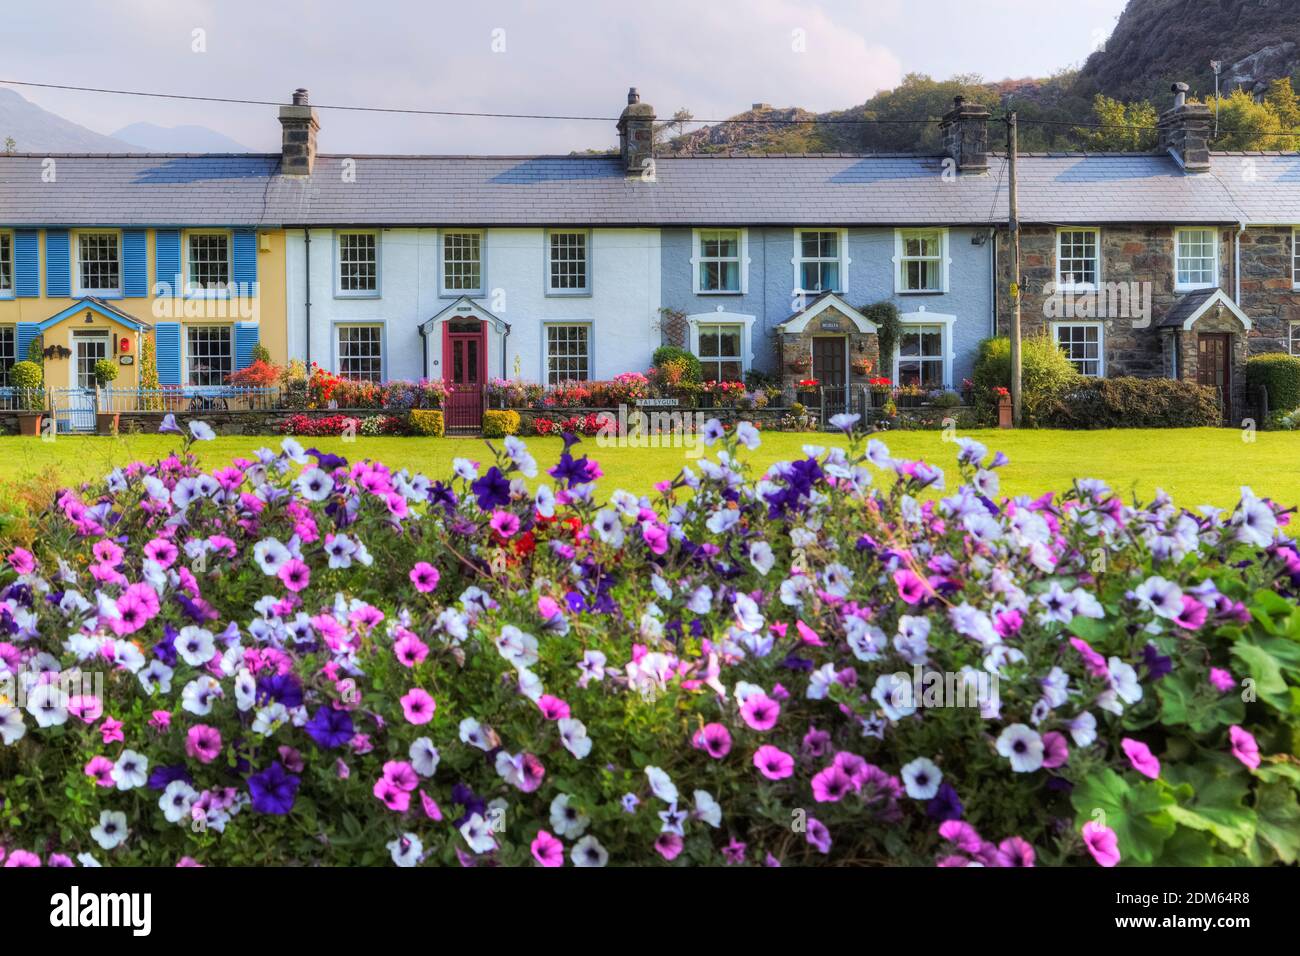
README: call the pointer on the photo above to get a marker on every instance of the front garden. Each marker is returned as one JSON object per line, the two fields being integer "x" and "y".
{"x": 852, "y": 657}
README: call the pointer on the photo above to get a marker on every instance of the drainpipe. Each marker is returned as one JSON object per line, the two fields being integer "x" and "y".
{"x": 306, "y": 258}
{"x": 1236, "y": 264}
{"x": 424, "y": 351}
{"x": 993, "y": 286}
{"x": 505, "y": 341}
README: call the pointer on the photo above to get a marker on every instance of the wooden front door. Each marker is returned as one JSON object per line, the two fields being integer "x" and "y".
{"x": 830, "y": 357}
{"x": 1214, "y": 366}
{"x": 464, "y": 370}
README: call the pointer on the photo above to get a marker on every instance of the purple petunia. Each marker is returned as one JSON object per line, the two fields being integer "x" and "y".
{"x": 329, "y": 727}
{"x": 273, "y": 790}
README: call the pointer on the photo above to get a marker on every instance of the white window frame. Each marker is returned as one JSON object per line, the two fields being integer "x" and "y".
{"x": 185, "y": 345}
{"x": 339, "y": 291}
{"x": 10, "y": 332}
{"x": 923, "y": 317}
{"x": 1295, "y": 258}
{"x": 1194, "y": 286}
{"x": 546, "y": 350}
{"x": 1293, "y": 338}
{"x": 842, "y": 260}
{"x": 443, "y": 290}
{"x": 1101, "y": 345}
{"x": 742, "y": 257}
{"x": 104, "y": 292}
{"x": 900, "y": 260}
{"x": 335, "y": 344}
{"x": 550, "y": 288}
{"x": 1062, "y": 285}
{"x": 194, "y": 292}
{"x": 10, "y": 292}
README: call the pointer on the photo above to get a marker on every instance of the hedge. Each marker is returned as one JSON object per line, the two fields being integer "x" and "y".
{"x": 426, "y": 421}
{"x": 671, "y": 353}
{"x": 1131, "y": 403}
{"x": 1280, "y": 375}
{"x": 498, "y": 423}
{"x": 1045, "y": 370}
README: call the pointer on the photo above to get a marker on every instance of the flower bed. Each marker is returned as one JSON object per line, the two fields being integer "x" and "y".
{"x": 305, "y": 660}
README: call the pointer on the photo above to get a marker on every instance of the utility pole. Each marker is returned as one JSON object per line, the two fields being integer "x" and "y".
{"x": 1216, "y": 66}
{"x": 1013, "y": 219}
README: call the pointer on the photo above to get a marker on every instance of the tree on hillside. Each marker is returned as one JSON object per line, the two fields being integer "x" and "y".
{"x": 1126, "y": 127}
{"x": 1245, "y": 123}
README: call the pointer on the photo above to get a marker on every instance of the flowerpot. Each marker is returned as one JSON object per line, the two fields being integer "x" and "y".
{"x": 1004, "y": 412}
{"x": 807, "y": 399}
{"x": 106, "y": 423}
{"x": 705, "y": 400}
{"x": 29, "y": 423}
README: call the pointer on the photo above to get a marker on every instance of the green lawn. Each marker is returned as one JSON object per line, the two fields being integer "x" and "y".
{"x": 1195, "y": 466}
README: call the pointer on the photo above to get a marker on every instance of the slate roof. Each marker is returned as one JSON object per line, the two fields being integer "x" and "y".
{"x": 1185, "y": 308}
{"x": 825, "y": 189}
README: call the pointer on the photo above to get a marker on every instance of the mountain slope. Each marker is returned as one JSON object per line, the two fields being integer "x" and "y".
{"x": 153, "y": 138}
{"x": 36, "y": 130}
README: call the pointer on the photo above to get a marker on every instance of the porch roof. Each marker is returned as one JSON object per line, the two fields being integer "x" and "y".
{"x": 103, "y": 308}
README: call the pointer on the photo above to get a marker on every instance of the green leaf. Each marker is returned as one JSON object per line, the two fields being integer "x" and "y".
{"x": 1261, "y": 667}
{"x": 1089, "y": 628}
{"x": 1184, "y": 700}
{"x": 1213, "y": 802}
{"x": 1138, "y": 813}
{"x": 1278, "y": 820}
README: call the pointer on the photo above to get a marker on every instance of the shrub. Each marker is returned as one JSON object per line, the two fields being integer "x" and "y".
{"x": 258, "y": 374}
{"x": 376, "y": 664}
{"x": 498, "y": 423}
{"x": 888, "y": 325}
{"x": 1044, "y": 372}
{"x": 672, "y": 353}
{"x": 27, "y": 375}
{"x": 260, "y": 353}
{"x": 1131, "y": 403}
{"x": 426, "y": 421}
{"x": 1280, "y": 376}
{"x": 328, "y": 426}
{"x": 105, "y": 372}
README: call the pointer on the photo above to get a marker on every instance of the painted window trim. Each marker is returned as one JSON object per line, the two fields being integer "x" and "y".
{"x": 743, "y": 256}
{"x": 945, "y": 260}
{"x": 12, "y": 291}
{"x": 923, "y": 317}
{"x": 1295, "y": 258}
{"x": 74, "y": 265}
{"x": 185, "y": 346}
{"x": 721, "y": 317}
{"x": 1085, "y": 287}
{"x": 1293, "y": 338}
{"x": 547, "y": 288}
{"x": 336, "y": 246}
{"x": 443, "y": 291}
{"x": 381, "y": 324}
{"x": 1101, "y": 340}
{"x": 1218, "y": 265}
{"x": 797, "y": 260}
{"x": 590, "y": 326}
{"x": 192, "y": 293}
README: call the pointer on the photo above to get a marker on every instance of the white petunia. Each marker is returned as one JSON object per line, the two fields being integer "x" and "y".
{"x": 406, "y": 849}
{"x": 566, "y": 821}
{"x": 11, "y": 724}
{"x": 761, "y": 557}
{"x": 48, "y": 703}
{"x": 195, "y": 646}
{"x": 1022, "y": 745}
{"x": 661, "y": 785}
{"x": 131, "y": 770}
{"x": 111, "y": 831}
{"x": 177, "y": 800}
{"x": 589, "y": 852}
{"x": 202, "y": 431}
{"x": 573, "y": 734}
{"x": 424, "y": 756}
{"x": 921, "y": 778}
{"x": 708, "y": 809}
{"x": 478, "y": 834}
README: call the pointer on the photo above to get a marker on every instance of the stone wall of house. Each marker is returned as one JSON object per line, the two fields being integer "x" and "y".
{"x": 1268, "y": 293}
{"x": 830, "y": 322}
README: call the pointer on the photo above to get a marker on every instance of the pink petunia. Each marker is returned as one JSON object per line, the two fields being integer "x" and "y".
{"x": 655, "y": 536}
{"x": 831, "y": 785}
{"x": 1101, "y": 843}
{"x": 21, "y": 560}
{"x": 1055, "y": 750}
{"x": 430, "y": 805}
{"x": 86, "y": 707}
{"x": 1094, "y": 661}
{"x": 160, "y": 720}
{"x": 410, "y": 650}
{"x": 960, "y": 833}
{"x": 111, "y": 731}
{"x": 760, "y": 711}
{"x": 1193, "y": 614}
{"x": 714, "y": 739}
{"x": 1141, "y": 757}
{"x": 818, "y": 835}
{"x": 1244, "y": 746}
{"x": 911, "y": 587}
{"x": 547, "y": 607}
{"x": 668, "y": 845}
{"x": 100, "y": 769}
{"x": 1014, "y": 851}
{"x": 1222, "y": 680}
{"x": 773, "y": 763}
{"x": 807, "y": 635}
{"x": 425, "y": 577}
{"x": 203, "y": 743}
{"x": 401, "y": 775}
{"x": 418, "y": 706}
{"x": 295, "y": 575}
{"x": 547, "y": 850}
{"x": 552, "y": 708}
{"x": 393, "y": 797}
{"x": 504, "y": 523}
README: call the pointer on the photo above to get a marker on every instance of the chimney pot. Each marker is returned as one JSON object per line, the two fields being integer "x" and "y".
{"x": 298, "y": 128}
{"x": 965, "y": 130}
{"x": 1185, "y": 131}
{"x": 633, "y": 96}
{"x": 300, "y": 97}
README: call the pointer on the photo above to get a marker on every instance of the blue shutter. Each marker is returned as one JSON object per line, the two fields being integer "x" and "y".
{"x": 244, "y": 260}
{"x": 167, "y": 260}
{"x": 25, "y": 332}
{"x": 245, "y": 339}
{"x": 27, "y": 263}
{"x": 168, "y": 335}
{"x": 135, "y": 262}
{"x": 58, "y": 266}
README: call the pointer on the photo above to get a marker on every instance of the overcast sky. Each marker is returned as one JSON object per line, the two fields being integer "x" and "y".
{"x": 714, "y": 57}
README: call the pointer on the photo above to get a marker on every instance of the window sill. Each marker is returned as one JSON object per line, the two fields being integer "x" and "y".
{"x": 568, "y": 293}
{"x": 719, "y": 292}
{"x": 921, "y": 292}
{"x": 207, "y": 294}
{"x": 458, "y": 293}
{"x": 97, "y": 294}
{"x": 1086, "y": 289}
{"x": 1195, "y": 288}
{"x": 357, "y": 295}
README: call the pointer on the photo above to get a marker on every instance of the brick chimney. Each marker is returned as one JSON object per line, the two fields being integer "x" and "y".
{"x": 965, "y": 130}
{"x": 298, "y": 141}
{"x": 636, "y": 136}
{"x": 1185, "y": 131}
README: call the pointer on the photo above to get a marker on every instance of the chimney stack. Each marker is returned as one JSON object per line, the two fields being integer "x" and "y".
{"x": 965, "y": 130}
{"x": 1185, "y": 131}
{"x": 298, "y": 140}
{"x": 636, "y": 135}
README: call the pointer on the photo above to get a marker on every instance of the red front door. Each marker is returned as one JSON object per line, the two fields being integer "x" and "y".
{"x": 464, "y": 370}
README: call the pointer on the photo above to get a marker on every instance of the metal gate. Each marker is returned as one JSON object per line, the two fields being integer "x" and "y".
{"x": 835, "y": 399}
{"x": 73, "y": 409}
{"x": 463, "y": 411}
